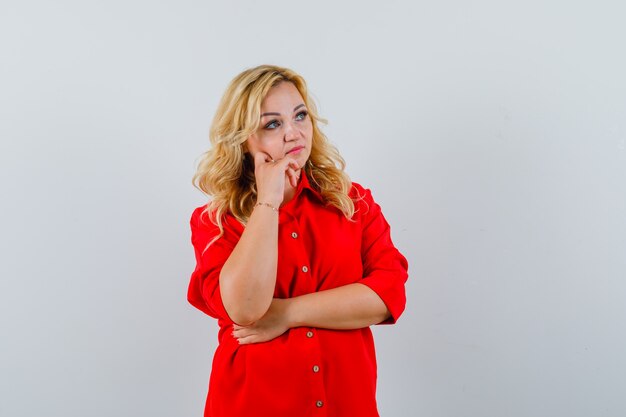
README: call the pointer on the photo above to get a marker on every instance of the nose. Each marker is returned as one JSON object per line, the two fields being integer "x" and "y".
{"x": 291, "y": 131}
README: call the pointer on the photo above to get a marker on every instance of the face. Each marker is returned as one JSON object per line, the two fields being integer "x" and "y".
{"x": 285, "y": 128}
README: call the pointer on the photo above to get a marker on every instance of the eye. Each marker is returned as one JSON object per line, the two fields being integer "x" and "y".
{"x": 302, "y": 115}
{"x": 271, "y": 124}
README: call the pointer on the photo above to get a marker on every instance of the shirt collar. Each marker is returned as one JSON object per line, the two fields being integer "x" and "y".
{"x": 304, "y": 184}
{"x": 287, "y": 212}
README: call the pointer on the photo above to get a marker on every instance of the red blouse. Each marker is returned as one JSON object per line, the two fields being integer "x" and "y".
{"x": 306, "y": 371}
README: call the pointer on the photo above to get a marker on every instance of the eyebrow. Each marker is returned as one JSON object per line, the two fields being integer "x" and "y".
{"x": 278, "y": 114}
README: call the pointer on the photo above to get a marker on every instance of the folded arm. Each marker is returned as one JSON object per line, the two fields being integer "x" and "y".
{"x": 351, "y": 306}
{"x": 378, "y": 298}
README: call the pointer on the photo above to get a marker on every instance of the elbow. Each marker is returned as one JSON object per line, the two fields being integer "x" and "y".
{"x": 243, "y": 304}
{"x": 243, "y": 317}
{"x": 386, "y": 315}
{"x": 383, "y": 316}
{"x": 244, "y": 310}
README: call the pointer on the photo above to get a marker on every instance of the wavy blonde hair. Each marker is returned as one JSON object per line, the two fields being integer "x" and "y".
{"x": 226, "y": 171}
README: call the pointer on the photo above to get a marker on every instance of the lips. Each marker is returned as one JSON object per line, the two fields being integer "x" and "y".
{"x": 296, "y": 149}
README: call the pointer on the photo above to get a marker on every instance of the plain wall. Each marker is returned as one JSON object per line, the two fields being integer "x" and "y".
{"x": 493, "y": 135}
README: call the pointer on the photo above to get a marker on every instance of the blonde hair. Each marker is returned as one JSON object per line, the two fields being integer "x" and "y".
{"x": 226, "y": 172}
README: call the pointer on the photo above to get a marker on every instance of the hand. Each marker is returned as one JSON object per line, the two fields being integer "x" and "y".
{"x": 271, "y": 177}
{"x": 274, "y": 323}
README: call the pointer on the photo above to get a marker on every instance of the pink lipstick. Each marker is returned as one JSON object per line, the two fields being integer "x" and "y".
{"x": 297, "y": 149}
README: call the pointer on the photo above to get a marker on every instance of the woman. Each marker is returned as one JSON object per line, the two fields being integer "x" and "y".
{"x": 294, "y": 260}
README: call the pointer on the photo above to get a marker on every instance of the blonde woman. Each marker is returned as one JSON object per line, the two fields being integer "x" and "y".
{"x": 294, "y": 260}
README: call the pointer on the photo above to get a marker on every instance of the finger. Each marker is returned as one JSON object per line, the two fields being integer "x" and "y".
{"x": 240, "y": 330}
{"x": 247, "y": 340}
{"x": 241, "y": 333}
{"x": 285, "y": 162}
{"x": 293, "y": 178}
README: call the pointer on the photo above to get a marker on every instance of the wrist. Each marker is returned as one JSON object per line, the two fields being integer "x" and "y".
{"x": 291, "y": 312}
{"x": 273, "y": 201}
{"x": 273, "y": 207}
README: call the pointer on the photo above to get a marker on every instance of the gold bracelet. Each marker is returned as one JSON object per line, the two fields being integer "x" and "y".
{"x": 268, "y": 205}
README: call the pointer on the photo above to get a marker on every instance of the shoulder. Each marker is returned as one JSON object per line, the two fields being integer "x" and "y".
{"x": 201, "y": 216}
{"x": 358, "y": 188}
{"x": 202, "y": 227}
{"x": 362, "y": 197}
{"x": 203, "y": 221}
{"x": 360, "y": 193}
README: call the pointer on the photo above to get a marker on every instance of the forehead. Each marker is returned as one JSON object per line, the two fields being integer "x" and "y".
{"x": 284, "y": 94}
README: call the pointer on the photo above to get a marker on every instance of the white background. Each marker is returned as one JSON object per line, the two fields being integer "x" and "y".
{"x": 493, "y": 135}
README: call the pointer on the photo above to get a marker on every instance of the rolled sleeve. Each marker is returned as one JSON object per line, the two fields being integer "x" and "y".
{"x": 385, "y": 269}
{"x": 204, "y": 289}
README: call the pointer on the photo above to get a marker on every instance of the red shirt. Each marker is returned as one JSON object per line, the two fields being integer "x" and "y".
{"x": 306, "y": 371}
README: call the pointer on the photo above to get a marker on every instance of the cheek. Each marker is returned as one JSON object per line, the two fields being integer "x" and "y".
{"x": 308, "y": 129}
{"x": 259, "y": 142}
{"x": 267, "y": 138}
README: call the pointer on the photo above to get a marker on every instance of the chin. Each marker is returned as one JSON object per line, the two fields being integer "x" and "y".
{"x": 303, "y": 160}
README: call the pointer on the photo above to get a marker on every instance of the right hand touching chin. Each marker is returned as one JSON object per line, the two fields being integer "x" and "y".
{"x": 270, "y": 177}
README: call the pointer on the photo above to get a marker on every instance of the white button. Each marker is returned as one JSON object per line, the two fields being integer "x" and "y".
{"x": 294, "y": 235}
{"x": 319, "y": 403}
{"x": 305, "y": 269}
{"x": 316, "y": 368}
{"x": 309, "y": 334}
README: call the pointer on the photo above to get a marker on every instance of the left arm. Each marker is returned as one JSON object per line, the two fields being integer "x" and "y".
{"x": 351, "y": 306}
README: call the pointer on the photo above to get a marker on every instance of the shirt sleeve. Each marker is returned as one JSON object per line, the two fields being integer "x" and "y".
{"x": 204, "y": 289}
{"x": 385, "y": 269}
